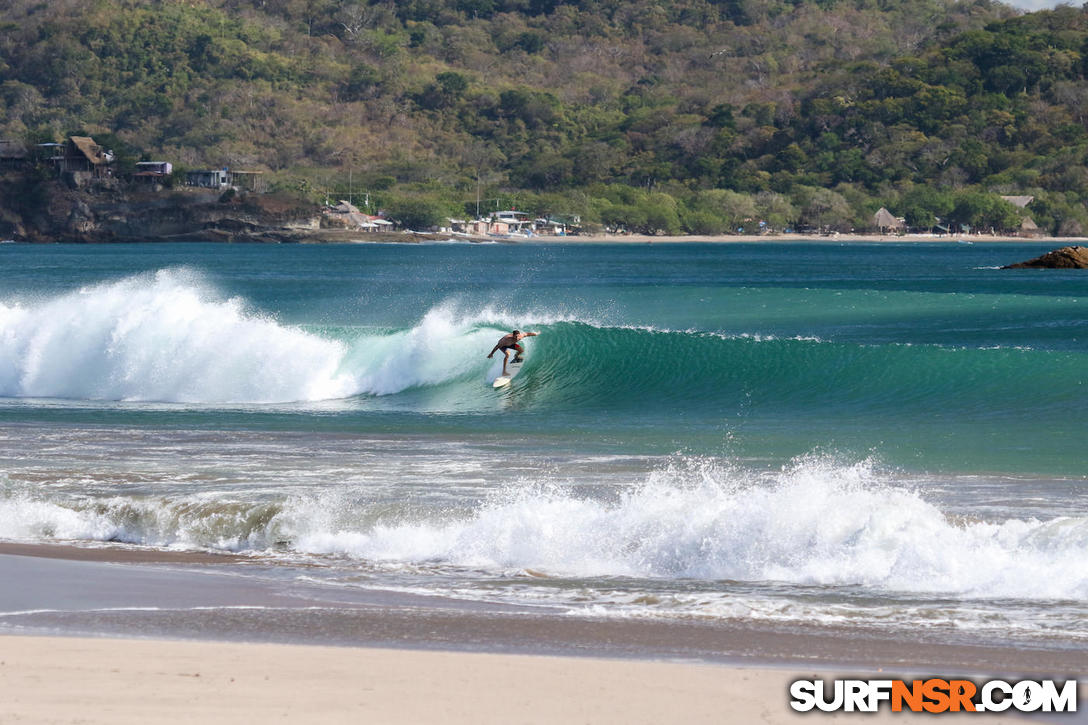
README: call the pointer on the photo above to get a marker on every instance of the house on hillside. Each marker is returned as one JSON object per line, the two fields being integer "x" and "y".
{"x": 248, "y": 181}
{"x": 154, "y": 168}
{"x": 83, "y": 158}
{"x": 225, "y": 178}
{"x": 886, "y": 222}
{"x": 208, "y": 179}
{"x": 152, "y": 172}
{"x": 13, "y": 154}
{"x": 49, "y": 153}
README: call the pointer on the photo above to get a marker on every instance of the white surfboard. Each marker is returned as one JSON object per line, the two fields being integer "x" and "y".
{"x": 512, "y": 369}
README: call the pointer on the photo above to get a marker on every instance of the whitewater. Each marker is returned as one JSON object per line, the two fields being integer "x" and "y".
{"x": 168, "y": 337}
{"x": 881, "y": 436}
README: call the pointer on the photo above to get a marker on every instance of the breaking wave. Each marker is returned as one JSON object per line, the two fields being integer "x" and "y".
{"x": 170, "y": 337}
{"x": 816, "y": 523}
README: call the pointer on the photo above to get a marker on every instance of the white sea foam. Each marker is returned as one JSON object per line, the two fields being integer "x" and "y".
{"x": 162, "y": 337}
{"x": 181, "y": 522}
{"x": 816, "y": 523}
{"x": 448, "y": 343}
{"x": 170, "y": 337}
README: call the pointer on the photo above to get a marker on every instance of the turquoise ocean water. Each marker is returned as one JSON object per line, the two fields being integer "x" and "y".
{"x": 883, "y": 435}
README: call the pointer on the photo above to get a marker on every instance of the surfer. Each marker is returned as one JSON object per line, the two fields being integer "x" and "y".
{"x": 510, "y": 342}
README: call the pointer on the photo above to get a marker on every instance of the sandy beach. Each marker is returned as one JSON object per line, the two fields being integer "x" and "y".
{"x": 800, "y": 238}
{"x": 171, "y": 654}
{"x": 93, "y": 680}
{"x": 605, "y": 238}
{"x": 71, "y": 679}
{"x": 342, "y": 236}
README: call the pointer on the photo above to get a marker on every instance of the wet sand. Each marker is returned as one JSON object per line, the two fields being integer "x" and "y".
{"x": 119, "y": 591}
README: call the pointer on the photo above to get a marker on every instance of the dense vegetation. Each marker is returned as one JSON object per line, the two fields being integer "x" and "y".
{"x": 695, "y": 115}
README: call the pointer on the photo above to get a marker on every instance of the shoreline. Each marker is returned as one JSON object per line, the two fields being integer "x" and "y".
{"x": 343, "y": 237}
{"x": 828, "y": 239}
{"x": 340, "y": 236}
{"x": 113, "y": 591}
{"x": 123, "y": 639}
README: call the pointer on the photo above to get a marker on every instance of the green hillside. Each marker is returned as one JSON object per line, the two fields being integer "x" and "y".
{"x": 687, "y": 116}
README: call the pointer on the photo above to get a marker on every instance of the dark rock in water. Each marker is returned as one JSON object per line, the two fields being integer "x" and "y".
{"x": 1064, "y": 258}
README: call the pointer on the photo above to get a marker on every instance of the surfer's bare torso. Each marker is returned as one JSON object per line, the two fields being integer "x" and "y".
{"x": 510, "y": 342}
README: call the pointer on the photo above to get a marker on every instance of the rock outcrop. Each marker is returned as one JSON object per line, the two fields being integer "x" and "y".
{"x": 1064, "y": 258}
{"x": 104, "y": 210}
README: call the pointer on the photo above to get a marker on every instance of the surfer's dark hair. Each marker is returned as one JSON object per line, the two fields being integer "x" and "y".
{"x": 516, "y": 331}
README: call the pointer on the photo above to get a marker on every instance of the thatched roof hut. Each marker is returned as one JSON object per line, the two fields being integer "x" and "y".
{"x": 885, "y": 221}
{"x": 1028, "y": 228}
{"x": 82, "y": 154}
{"x": 1019, "y": 201}
{"x": 92, "y": 152}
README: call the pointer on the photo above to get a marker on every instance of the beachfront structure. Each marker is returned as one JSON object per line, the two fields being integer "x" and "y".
{"x": 886, "y": 222}
{"x": 346, "y": 215}
{"x": 555, "y": 226}
{"x": 1028, "y": 228}
{"x": 502, "y": 223}
{"x": 510, "y": 222}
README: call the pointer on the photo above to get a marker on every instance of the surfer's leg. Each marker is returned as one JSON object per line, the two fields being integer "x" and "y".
{"x": 505, "y": 357}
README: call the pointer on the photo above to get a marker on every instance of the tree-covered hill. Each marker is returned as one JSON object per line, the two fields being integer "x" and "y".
{"x": 692, "y": 115}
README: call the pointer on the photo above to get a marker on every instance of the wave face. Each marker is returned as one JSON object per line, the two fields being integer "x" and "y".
{"x": 817, "y": 523}
{"x": 169, "y": 337}
{"x": 631, "y": 366}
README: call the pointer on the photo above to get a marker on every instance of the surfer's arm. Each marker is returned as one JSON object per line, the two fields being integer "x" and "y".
{"x": 493, "y": 351}
{"x": 527, "y": 334}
